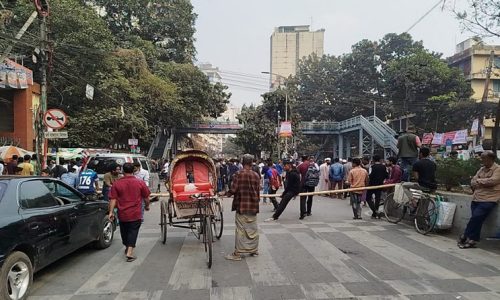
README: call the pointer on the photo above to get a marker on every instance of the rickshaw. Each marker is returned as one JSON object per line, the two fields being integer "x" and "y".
{"x": 193, "y": 202}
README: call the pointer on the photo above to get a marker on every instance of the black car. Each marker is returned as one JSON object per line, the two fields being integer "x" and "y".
{"x": 41, "y": 220}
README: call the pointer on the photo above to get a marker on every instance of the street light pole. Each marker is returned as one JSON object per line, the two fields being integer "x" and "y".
{"x": 278, "y": 134}
{"x": 286, "y": 104}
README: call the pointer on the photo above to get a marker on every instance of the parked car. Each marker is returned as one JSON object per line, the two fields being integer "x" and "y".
{"x": 41, "y": 220}
{"x": 100, "y": 164}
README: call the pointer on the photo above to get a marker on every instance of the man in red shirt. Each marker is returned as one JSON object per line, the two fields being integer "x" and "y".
{"x": 127, "y": 194}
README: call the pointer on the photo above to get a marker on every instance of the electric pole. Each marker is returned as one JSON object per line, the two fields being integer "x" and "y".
{"x": 484, "y": 99}
{"x": 42, "y": 7}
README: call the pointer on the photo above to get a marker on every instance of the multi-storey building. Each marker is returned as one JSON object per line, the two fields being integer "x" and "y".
{"x": 290, "y": 44}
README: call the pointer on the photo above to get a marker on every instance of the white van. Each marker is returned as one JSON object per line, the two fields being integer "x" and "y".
{"x": 101, "y": 162}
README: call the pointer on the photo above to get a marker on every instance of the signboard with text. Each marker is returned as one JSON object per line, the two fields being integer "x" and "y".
{"x": 56, "y": 134}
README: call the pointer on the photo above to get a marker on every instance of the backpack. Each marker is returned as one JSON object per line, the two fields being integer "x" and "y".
{"x": 336, "y": 172}
{"x": 275, "y": 182}
{"x": 312, "y": 176}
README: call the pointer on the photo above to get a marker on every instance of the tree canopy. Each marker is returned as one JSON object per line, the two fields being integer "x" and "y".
{"x": 138, "y": 56}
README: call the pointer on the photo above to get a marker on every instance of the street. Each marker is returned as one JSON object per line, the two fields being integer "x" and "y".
{"x": 325, "y": 256}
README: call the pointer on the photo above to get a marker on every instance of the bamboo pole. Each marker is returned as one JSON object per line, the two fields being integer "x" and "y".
{"x": 338, "y": 191}
{"x": 385, "y": 186}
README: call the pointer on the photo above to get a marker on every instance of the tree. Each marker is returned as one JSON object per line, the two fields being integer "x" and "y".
{"x": 416, "y": 82}
{"x": 482, "y": 17}
{"x": 197, "y": 94}
{"x": 168, "y": 24}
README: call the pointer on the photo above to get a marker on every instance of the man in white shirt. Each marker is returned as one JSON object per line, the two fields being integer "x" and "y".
{"x": 140, "y": 173}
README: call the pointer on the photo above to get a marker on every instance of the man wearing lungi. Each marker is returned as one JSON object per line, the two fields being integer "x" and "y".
{"x": 246, "y": 191}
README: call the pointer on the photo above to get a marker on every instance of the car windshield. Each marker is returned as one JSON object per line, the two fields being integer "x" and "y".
{"x": 3, "y": 187}
{"x": 101, "y": 165}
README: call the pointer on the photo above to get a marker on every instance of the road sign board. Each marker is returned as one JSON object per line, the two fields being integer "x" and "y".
{"x": 55, "y": 119}
{"x": 133, "y": 142}
{"x": 56, "y": 134}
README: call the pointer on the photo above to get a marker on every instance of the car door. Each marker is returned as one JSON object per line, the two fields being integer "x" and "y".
{"x": 39, "y": 210}
{"x": 82, "y": 215}
{"x": 154, "y": 180}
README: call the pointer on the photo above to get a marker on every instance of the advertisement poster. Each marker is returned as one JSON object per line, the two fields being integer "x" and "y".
{"x": 438, "y": 139}
{"x": 286, "y": 129}
{"x": 427, "y": 138}
{"x": 460, "y": 137}
{"x": 475, "y": 127}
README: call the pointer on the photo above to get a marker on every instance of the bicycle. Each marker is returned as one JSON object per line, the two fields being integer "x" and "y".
{"x": 418, "y": 203}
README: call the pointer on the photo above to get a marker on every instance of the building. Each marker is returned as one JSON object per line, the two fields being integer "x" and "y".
{"x": 473, "y": 57}
{"x": 212, "y": 72}
{"x": 290, "y": 44}
{"x": 19, "y": 101}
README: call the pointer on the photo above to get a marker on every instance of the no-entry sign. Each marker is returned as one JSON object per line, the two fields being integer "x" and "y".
{"x": 55, "y": 119}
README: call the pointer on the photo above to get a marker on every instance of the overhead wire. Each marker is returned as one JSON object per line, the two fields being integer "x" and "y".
{"x": 423, "y": 17}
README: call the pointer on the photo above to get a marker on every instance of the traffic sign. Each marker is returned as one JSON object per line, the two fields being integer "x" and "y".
{"x": 55, "y": 119}
{"x": 133, "y": 142}
{"x": 56, "y": 134}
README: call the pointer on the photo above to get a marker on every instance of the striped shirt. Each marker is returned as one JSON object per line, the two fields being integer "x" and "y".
{"x": 246, "y": 190}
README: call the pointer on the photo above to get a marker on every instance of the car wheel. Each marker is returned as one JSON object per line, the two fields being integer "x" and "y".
{"x": 16, "y": 277}
{"x": 106, "y": 235}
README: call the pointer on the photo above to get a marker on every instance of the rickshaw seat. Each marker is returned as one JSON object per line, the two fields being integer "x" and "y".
{"x": 180, "y": 194}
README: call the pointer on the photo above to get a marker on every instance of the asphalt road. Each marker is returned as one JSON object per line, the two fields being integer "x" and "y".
{"x": 325, "y": 256}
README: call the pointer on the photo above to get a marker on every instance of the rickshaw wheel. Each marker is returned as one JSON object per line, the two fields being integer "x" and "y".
{"x": 163, "y": 223}
{"x": 207, "y": 239}
{"x": 170, "y": 211}
{"x": 218, "y": 220}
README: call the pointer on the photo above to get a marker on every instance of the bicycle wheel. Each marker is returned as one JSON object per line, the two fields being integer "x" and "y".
{"x": 394, "y": 211}
{"x": 207, "y": 239}
{"x": 218, "y": 220}
{"x": 425, "y": 218}
{"x": 163, "y": 223}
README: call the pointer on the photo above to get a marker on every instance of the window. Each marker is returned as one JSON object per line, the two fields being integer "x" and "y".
{"x": 102, "y": 165}
{"x": 144, "y": 164}
{"x": 34, "y": 194}
{"x": 497, "y": 62}
{"x": 62, "y": 192}
{"x": 496, "y": 86}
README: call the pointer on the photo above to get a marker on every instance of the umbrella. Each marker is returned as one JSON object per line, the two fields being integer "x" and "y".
{"x": 6, "y": 152}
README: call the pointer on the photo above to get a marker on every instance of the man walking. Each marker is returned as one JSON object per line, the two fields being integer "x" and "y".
{"x": 292, "y": 189}
{"x": 336, "y": 176}
{"x": 358, "y": 177}
{"x": 324, "y": 173}
{"x": 309, "y": 173}
{"x": 408, "y": 144}
{"x": 127, "y": 193}
{"x": 246, "y": 191}
{"x": 486, "y": 186}
{"x": 376, "y": 177}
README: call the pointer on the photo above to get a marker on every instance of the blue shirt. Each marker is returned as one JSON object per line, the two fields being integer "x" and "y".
{"x": 70, "y": 179}
{"x": 86, "y": 181}
{"x": 279, "y": 168}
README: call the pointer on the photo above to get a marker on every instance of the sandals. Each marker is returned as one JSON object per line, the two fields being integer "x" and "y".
{"x": 131, "y": 258}
{"x": 467, "y": 245}
{"x": 233, "y": 256}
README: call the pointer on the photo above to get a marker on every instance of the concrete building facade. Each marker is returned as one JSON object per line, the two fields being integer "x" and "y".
{"x": 472, "y": 57}
{"x": 290, "y": 44}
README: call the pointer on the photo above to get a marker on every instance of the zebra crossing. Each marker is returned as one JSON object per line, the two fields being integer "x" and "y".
{"x": 326, "y": 256}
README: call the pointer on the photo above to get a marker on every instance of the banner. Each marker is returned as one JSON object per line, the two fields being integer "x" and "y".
{"x": 427, "y": 138}
{"x": 286, "y": 129}
{"x": 14, "y": 75}
{"x": 475, "y": 127}
{"x": 460, "y": 137}
{"x": 438, "y": 139}
{"x": 449, "y": 136}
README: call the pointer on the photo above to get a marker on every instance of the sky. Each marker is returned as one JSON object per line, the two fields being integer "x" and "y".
{"x": 234, "y": 35}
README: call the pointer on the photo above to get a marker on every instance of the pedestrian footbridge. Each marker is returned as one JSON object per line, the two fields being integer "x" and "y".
{"x": 362, "y": 134}
{"x": 370, "y": 132}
